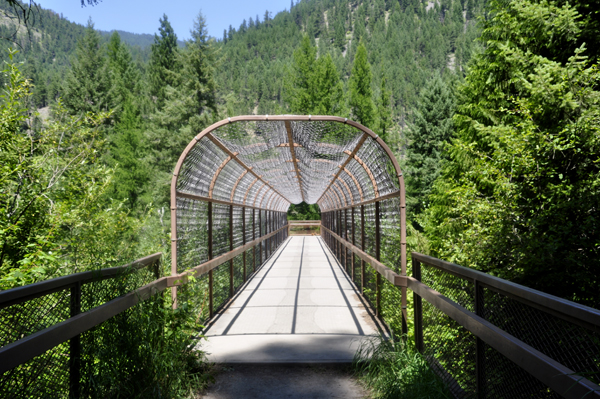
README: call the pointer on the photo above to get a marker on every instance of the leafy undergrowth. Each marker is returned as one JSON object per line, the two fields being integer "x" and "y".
{"x": 392, "y": 369}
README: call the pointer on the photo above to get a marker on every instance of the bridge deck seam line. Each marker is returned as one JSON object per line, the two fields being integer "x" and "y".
{"x": 359, "y": 328}
{"x": 254, "y": 290}
{"x": 297, "y": 289}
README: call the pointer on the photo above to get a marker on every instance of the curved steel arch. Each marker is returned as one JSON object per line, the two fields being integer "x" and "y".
{"x": 199, "y": 181}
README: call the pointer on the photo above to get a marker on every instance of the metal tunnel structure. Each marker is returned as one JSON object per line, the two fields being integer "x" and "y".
{"x": 235, "y": 181}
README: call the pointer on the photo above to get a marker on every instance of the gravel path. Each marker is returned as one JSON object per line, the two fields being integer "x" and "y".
{"x": 284, "y": 381}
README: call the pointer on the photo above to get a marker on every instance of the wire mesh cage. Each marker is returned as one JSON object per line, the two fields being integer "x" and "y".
{"x": 474, "y": 368}
{"x": 248, "y": 170}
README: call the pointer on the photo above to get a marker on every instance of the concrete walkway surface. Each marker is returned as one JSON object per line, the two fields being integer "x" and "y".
{"x": 300, "y": 307}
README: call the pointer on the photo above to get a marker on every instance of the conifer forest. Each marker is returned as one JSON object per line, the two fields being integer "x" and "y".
{"x": 492, "y": 108}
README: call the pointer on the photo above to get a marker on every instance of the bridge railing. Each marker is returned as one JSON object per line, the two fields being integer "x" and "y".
{"x": 304, "y": 227}
{"x": 44, "y": 327}
{"x": 48, "y": 334}
{"x": 488, "y": 337}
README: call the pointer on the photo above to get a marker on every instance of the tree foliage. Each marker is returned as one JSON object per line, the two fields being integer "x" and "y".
{"x": 519, "y": 195}
{"x": 428, "y": 135}
{"x": 163, "y": 60}
{"x": 88, "y": 82}
{"x": 54, "y": 211}
{"x": 361, "y": 93}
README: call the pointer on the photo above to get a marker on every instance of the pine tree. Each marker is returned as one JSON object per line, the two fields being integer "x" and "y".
{"x": 125, "y": 77}
{"x": 385, "y": 111}
{"x": 340, "y": 35}
{"x": 361, "y": 94}
{"x": 300, "y": 89}
{"x": 88, "y": 83}
{"x": 189, "y": 105}
{"x": 132, "y": 174}
{"x": 329, "y": 89}
{"x": 430, "y": 132}
{"x": 314, "y": 85}
{"x": 163, "y": 60}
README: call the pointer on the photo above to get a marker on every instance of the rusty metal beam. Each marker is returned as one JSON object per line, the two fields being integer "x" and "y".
{"x": 288, "y": 127}
{"x": 371, "y": 201}
{"x": 217, "y": 172}
{"x": 270, "y": 199}
{"x": 248, "y": 190}
{"x": 341, "y": 192}
{"x": 288, "y": 144}
{"x": 218, "y": 143}
{"x": 258, "y": 192}
{"x": 183, "y": 194}
{"x": 236, "y": 184}
{"x": 351, "y": 154}
{"x": 355, "y": 182}
{"x": 366, "y": 168}
{"x": 329, "y": 201}
{"x": 348, "y": 189}
{"x": 339, "y": 201}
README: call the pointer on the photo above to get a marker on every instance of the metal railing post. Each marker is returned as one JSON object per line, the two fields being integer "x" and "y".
{"x": 75, "y": 346}
{"x": 339, "y": 233}
{"x": 346, "y": 238}
{"x": 480, "y": 345}
{"x": 362, "y": 246}
{"x": 254, "y": 238}
{"x": 260, "y": 234}
{"x": 210, "y": 256}
{"x": 418, "y": 306}
{"x": 244, "y": 241}
{"x": 231, "y": 249}
{"x": 353, "y": 242}
{"x": 378, "y": 255}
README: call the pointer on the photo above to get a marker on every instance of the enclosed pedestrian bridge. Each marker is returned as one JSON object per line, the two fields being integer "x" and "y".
{"x": 264, "y": 295}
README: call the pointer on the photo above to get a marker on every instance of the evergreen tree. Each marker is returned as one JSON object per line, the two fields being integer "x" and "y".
{"x": 329, "y": 89}
{"x": 190, "y": 105}
{"x": 340, "y": 35}
{"x": 132, "y": 174}
{"x": 124, "y": 74}
{"x": 385, "y": 111}
{"x": 300, "y": 87}
{"x": 428, "y": 135}
{"x": 87, "y": 86}
{"x": 361, "y": 94}
{"x": 519, "y": 195}
{"x": 163, "y": 61}
{"x": 314, "y": 86}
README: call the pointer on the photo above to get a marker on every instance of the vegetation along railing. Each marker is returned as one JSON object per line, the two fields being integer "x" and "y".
{"x": 486, "y": 337}
{"x": 50, "y": 331}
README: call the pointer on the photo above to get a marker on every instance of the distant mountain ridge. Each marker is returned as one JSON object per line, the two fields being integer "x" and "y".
{"x": 144, "y": 40}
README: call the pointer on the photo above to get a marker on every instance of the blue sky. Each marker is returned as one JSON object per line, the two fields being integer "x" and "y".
{"x": 141, "y": 16}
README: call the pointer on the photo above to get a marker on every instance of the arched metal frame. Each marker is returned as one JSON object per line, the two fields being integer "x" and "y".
{"x": 248, "y": 175}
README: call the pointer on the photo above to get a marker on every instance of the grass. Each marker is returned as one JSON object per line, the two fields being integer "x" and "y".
{"x": 392, "y": 369}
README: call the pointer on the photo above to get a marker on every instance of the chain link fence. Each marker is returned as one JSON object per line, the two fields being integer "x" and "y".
{"x": 71, "y": 366}
{"x": 474, "y": 368}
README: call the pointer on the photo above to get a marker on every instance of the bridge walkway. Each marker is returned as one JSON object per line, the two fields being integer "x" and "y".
{"x": 300, "y": 307}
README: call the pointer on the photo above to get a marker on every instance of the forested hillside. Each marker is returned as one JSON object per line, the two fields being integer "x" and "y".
{"x": 498, "y": 137}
